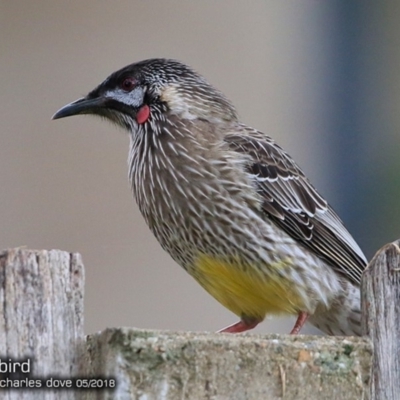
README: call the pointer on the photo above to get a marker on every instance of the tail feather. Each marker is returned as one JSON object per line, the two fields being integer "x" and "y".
{"x": 343, "y": 318}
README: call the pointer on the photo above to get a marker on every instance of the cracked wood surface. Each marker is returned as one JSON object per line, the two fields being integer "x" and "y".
{"x": 380, "y": 300}
{"x": 41, "y": 316}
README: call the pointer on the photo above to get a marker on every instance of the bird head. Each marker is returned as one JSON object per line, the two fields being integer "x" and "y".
{"x": 151, "y": 91}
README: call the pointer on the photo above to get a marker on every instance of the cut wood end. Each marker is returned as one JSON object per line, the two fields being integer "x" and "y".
{"x": 384, "y": 257}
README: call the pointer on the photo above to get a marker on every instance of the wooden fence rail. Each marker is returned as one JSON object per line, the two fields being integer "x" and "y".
{"x": 45, "y": 355}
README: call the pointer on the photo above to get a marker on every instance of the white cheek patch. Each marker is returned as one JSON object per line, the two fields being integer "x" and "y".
{"x": 133, "y": 98}
{"x": 177, "y": 103}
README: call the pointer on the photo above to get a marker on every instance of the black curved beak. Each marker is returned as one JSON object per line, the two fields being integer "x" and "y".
{"x": 80, "y": 106}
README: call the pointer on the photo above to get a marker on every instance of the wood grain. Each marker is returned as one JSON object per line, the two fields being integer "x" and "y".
{"x": 41, "y": 316}
{"x": 380, "y": 303}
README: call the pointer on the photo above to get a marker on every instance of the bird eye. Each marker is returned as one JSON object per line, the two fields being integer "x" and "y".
{"x": 128, "y": 84}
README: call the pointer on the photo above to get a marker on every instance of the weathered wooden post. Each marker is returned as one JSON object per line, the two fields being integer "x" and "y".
{"x": 156, "y": 365}
{"x": 381, "y": 320}
{"x": 41, "y": 319}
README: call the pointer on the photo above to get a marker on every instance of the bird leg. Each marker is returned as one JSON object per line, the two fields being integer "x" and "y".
{"x": 301, "y": 320}
{"x": 242, "y": 326}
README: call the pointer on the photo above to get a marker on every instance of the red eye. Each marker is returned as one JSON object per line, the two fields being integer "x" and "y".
{"x": 128, "y": 84}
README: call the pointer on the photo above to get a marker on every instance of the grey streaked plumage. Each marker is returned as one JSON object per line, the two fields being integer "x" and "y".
{"x": 295, "y": 206}
{"x": 209, "y": 186}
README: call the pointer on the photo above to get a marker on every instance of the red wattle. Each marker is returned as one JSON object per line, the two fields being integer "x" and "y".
{"x": 143, "y": 114}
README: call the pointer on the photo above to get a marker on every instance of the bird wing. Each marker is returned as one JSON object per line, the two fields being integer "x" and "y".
{"x": 293, "y": 204}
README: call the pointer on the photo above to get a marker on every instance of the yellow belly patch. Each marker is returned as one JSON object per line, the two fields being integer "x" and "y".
{"x": 247, "y": 291}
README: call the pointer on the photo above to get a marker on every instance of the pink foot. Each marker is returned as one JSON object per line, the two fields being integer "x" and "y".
{"x": 301, "y": 320}
{"x": 241, "y": 326}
